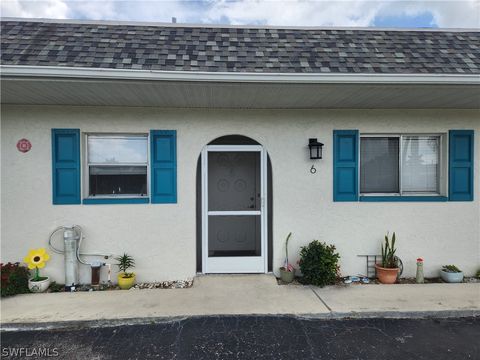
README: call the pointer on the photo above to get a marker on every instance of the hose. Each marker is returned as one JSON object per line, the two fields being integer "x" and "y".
{"x": 54, "y": 249}
{"x": 79, "y": 231}
{"x": 77, "y": 253}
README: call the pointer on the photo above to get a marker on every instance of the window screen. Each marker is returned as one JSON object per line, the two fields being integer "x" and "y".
{"x": 117, "y": 165}
{"x": 379, "y": 163}
{"x": 420, "y": 164}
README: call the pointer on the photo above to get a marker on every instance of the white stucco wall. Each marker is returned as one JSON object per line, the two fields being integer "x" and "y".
{"x": 162, "y": 237}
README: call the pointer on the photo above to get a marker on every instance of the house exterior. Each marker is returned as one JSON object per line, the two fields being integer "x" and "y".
{"x": 187, "y": 146}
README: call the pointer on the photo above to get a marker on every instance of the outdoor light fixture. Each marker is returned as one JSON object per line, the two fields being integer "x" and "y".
{"x": 315, "y": 149}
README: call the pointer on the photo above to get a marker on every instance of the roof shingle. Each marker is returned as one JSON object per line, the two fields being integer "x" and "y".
{"x": 227, "y": 49}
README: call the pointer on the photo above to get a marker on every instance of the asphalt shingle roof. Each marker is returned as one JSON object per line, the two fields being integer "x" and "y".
{"x": 228, "y": 49}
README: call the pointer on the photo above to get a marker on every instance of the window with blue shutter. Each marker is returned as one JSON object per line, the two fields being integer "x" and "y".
{"x": 345, "y": 165}
{"x": 163, "y": 160}
{"x": 460, "y": 171}
{"x": 66, "y": 166}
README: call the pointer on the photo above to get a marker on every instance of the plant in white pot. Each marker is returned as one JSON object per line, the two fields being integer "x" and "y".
{"x": 35, "y": 260}
{"x": 451, "y": 274}
{"x": 287, "y": 271}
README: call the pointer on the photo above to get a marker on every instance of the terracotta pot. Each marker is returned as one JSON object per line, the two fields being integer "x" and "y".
{"x": 386, "y": 275}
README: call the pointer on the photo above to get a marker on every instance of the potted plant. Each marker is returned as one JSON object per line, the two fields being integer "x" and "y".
{"x": 35, "y": 260}
{"x": 287, "y": 271}
{"x": 388, "y": 270}
{"x": 451, "y": 274}
{"x": 125, "y": 279}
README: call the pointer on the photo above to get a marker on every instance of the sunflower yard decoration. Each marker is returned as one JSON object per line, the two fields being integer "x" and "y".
{"x": 35, "y": 260}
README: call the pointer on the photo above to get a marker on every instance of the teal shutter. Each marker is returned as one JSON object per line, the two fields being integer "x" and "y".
{"x": 66, "y": 166}
{"x": 345, "y": 165}
{"x": 460, "y": 169}
{"x": 163, "y": 160}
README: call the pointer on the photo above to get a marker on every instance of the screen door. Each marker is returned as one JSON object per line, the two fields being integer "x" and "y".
{"x": 233, "y": 201}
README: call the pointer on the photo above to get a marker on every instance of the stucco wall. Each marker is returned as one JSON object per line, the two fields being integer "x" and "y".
{"x": 162, "y": 236}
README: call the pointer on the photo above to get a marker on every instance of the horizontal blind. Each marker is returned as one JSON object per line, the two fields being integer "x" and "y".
{"x": 118, "y": 170}
{"x": 379, "y": 165}
{"x": 116, "y": 149}
{"x": 420, "y": 164}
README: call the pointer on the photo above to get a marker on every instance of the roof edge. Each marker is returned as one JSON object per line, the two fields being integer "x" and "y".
{"x": 39, "y": 72}
{"x": 200, "y": 25}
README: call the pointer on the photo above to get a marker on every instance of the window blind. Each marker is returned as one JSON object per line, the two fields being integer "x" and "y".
{"x": 420, "y": 164}
{"x": 379, "y": 160}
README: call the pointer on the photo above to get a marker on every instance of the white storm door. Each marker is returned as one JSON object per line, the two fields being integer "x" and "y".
{"x": 234, "y": 209}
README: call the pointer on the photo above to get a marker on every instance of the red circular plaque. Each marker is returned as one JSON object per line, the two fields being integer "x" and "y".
{"x": 23, "y": 145}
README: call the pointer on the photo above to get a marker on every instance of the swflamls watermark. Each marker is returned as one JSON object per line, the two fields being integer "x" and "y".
{"x": 29, "y": 352}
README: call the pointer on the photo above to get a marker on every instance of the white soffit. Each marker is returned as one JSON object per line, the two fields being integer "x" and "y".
{"x": 105, "y": 87}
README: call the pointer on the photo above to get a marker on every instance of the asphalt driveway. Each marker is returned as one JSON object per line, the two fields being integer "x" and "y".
{"x": 257, "y": 337}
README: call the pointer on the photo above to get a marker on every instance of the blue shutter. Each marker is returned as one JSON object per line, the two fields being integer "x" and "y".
{"x": 460, "y": 169}
{"x": 345, "y": 165}
{"x": 66, "y": 166}
{"x": 163, "y": 159}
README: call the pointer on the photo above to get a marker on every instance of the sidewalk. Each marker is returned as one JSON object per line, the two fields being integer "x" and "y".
{"x": 240, "y": 295}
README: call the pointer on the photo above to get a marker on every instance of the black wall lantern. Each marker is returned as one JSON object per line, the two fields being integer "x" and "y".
{"x": 315, "y": 149}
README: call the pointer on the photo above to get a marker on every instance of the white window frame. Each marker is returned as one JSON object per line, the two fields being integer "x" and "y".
{"x": 87, "y": 165}
{"x": 442, "y": 179}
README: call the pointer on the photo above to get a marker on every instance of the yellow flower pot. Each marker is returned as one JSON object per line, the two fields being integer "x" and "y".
{"x": 125, "y": 283}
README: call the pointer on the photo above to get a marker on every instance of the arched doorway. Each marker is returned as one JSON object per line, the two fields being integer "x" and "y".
{"x": 234, "y": 207}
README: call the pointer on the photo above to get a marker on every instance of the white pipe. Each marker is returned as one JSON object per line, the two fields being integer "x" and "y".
{"x": 58, "y": 251}
{"x": 96, "y": 254}
{"x": 77, "y": 253}
{"x": 109, "y": 272}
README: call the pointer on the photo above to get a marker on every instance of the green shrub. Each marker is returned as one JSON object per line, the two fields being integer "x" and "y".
{"x": 319, "y": 263}
{"x": 14, "y": 279}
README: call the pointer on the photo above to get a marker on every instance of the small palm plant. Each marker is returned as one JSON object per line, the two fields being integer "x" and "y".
{"x": 389, "y": 259}
{"x": 125, "y": 262}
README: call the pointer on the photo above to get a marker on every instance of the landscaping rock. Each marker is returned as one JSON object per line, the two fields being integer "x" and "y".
{"x": 172, "y": 284}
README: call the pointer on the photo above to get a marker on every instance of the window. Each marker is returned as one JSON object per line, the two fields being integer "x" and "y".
{"x": 379, "y": 165}
{"x": 420, "y": 164}
{"x": 400, "y": 164}
{"x": 117, "y": 165}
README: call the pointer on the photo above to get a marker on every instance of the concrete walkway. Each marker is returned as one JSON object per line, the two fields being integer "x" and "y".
{"x": 242, "y": 294}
